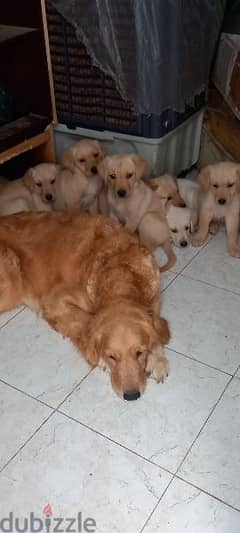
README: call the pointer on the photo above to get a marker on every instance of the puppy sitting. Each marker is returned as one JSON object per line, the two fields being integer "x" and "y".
{"x": 219, "y": 200}
{"x": 180, "y": 225}
{"x": 133, "y": 203}
{"x": 166, "y": 186}
{"x": 34, "y": 192}
{"x": 78, "y": 182}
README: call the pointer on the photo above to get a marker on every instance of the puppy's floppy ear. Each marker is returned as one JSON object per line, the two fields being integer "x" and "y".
{"x": 238, "y": 179}
{"x": 142, "y": 167}
{"x": 28, "y": 179}
{"x": 204, "y": 178}
{"x": 68, "y": 159}
{"x": 102, "y": 149}
{"x": 103, "y": 168}
{"x": 161, "y": 326}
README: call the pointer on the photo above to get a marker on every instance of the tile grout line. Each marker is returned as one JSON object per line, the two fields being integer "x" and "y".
{"x": 122, "y": 446}
{"x": 186, "y": 276}
{"x": 201, "y": 362}
{"x": 12, "y": 318}
{"x": 206, "y": 421}
{"x": 54, "y": 410}
{"x": 156, "y": 505}
{"x": 185, "y": 266}
{"x": 176, "y": 476}
{"x": 204, "y": 491}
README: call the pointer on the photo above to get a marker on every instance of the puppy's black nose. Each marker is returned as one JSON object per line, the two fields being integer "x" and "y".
{"x": 221, "y": 201}
{"x": 94, "y": 170}
{"x": 131, "y": 395}
{"x": 121, "y": 193}
{"x": 49, "y": 197}
{"x": 183, "y": 243}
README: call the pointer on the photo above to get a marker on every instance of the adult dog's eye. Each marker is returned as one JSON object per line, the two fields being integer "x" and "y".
{"x": 112, "y": 357}
{"x": 169, "y": 198}
{"x": 96, "y": 155}
{"x": 129, "y": 175}
{"x": 174, "y": 230}
{"x": 215, "y": 185}
{"x": 112, "y": 176}
{"x": 52, "y": 181}
{"x": 38, "y": 184}
{"x": 139, "y": 353}
{"x": 230, "y": 184}
{"x": 186, "y": 228}
{"x": 82, "y": 160}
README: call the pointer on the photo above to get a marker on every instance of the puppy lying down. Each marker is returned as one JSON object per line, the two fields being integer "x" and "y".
{"x": 94, "y": 283}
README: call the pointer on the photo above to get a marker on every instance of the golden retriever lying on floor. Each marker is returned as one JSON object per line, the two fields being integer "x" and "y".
{"x": 219, "y": 200}
{"x": 94, "y": 283}
{"x": 132, "y": 202}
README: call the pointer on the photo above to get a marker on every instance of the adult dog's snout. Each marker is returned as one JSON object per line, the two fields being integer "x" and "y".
{"x": 131, "y": 395}
{"x": 121, "y": 193}
{"x": 221, "y": 201}
{"x": 94, "y": 170}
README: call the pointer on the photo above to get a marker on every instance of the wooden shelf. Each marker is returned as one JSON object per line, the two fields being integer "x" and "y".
{"x": 12, "y": 33}
{"x": 44, "y": 141}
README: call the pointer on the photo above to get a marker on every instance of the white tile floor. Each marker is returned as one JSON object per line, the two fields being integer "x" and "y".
{"x": 169, "y": 462}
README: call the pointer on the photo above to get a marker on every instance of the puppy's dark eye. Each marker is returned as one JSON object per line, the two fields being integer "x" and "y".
{"x": 96, "y": 155}
{"x": 187, "y": 228}
{"x": 38, "y": 184}
{"x": 112, "y": 176}
{"x": 215, "y": 185}
{"x": 169, "y": 198}
{"x": 52, "y": 181}
{"x": 129, "y": 175}
{"x": 174, "y": 230}
{"x": 139, "y": 353}
{"x": 230, "y": 185}
{"x": 82, "y": 160}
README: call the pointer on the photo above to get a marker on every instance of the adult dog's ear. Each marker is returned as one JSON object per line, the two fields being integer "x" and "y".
{"x": 95, "y": 348}
{"x": 161, "y": 326}
{"x": 103, "y": 169}
{"x": 204, "y": 178}
{"x": 142, "y": 167}
{"x": 68, "y": 160}
{"x": 28, "y": 179}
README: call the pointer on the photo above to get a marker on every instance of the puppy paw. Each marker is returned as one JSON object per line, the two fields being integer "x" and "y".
{"x": 235, "y": 251}
{"x": 213, "y": 228}
{"x": 197, "y": 241}
{"x": 157, "y": 367}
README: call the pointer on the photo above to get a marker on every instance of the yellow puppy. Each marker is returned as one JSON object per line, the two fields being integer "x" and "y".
{"x": 220, "y": 199}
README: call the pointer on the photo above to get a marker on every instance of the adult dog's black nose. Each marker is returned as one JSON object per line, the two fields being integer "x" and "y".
{"x": 49, "y": 197}
{"x": 131, "y": 395}
{"x": 183, "y": 243}
{"x": 121, "y": 193}
{"x": 94, "y": 170}
{"x": 221, "y": 201}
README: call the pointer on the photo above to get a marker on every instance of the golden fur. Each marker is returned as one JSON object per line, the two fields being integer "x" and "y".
{"x": 79, "y": 184}
{"x": 34, "y": 192}
{"x": 133, "y": 203}
{"x": 166, "y": 186}
{"x": 220, "y": 199}
{"x": 180, "y": 224}
{"x": 94, "y": 283}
